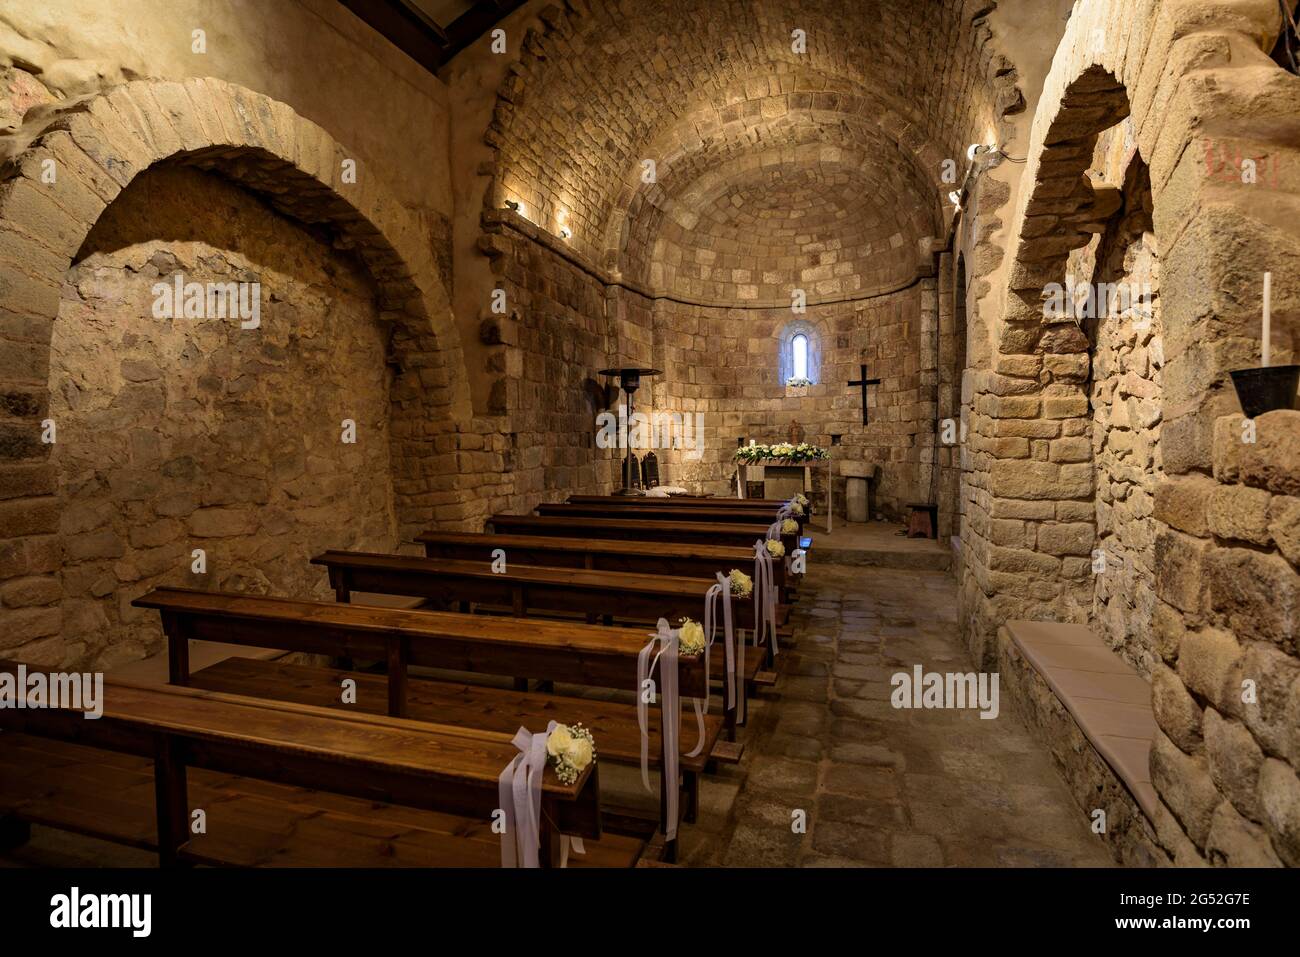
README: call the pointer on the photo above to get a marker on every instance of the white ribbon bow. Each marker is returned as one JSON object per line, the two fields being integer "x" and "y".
{"x": 519, "y": 789}
{"x": 764, "y": 596}
{"x": 734, "y": 650}
{"x": 666, "y": 640}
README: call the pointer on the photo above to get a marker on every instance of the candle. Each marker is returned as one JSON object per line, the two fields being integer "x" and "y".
{"x": 1268, "y": 296}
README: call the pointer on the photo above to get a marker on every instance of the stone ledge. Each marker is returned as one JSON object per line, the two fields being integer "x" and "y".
{"x": 1094, "y": 713}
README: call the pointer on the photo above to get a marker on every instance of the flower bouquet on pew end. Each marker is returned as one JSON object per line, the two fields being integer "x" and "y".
{"x": 570, "y": 748}
{"x": 690, "y": 638}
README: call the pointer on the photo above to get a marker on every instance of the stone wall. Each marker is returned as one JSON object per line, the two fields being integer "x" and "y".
{"x": 1125, "y": 395}
{"x": 1227, "y": 684}
{"x": 182, "y": 434}
{"x": 79, "y": 163}
{"x": 725, "y": 364}
{"x": 1220, "y": 593}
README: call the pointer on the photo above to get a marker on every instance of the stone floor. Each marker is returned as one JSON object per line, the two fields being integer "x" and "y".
{"x": 877, "y": 543}
{"x": 880, "y": 786}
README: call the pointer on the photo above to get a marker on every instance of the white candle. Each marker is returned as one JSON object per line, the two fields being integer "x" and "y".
{"x": 1268, "y": 297}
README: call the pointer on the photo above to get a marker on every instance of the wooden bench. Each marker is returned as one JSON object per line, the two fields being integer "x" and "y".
{"x": 571, "y": 653}
{"x": 613, "y": 723}
{"x": 659, "y": 511}
{"x": 685, "y": 501}
{"x": 250, "y": 822}
{"x": 689, "y": 560}
{"x": 376, "y": 758}
{"x": 641, "y": 530}
{"x": 531, "y": 589}
{"x": 526, "y": 589}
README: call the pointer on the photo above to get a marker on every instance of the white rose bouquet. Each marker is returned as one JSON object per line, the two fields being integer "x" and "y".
{"x": 690, "y": 637}
{"x": 570, "y": 748}
{"x": 789, "y": 526}
{"x": 801, "y": 499}
{"x": 775, "y": 548}
{"x": 742, "y": 585}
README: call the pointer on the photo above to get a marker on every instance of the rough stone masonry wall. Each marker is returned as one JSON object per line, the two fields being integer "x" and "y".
{"x": 1226, "y": 687}
{"x": 1195, "y": 79}
{"x": 725, "y": 363}
{"x": 1125, "y": 396}
{"x": 177, "y": 434}
{"x": 99, "y": 148}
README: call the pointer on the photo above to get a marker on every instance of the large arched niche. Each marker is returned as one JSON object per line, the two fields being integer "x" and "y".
{"x": 56, "y": 190}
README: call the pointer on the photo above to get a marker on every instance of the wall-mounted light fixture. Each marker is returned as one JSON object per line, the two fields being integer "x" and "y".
{"x": 955, "y": 198}
{"x": 565, "y": 232}
{"x": 515, "y": 205}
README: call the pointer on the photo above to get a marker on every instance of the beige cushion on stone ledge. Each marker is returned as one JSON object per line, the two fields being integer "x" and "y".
{"x": 1108, "y": 699}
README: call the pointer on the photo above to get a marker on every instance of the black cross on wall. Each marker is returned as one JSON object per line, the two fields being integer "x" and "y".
{"x": 864, "y": 382}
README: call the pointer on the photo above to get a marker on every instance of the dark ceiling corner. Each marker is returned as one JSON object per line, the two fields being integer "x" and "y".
{"x": 431, "y": 32}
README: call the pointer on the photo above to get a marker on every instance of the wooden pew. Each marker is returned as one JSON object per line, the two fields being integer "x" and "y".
{"x": 526, "y": 589}
{"x": 660, "y": 511}
{"x": 250, "y": 823}
{"x": 703, "y": 501}
{"x": 376, "y": 758}
{"x": 688, "y": 560}
{"x": 688, "y": 501}
{"x": 567, "y": 652}
{"x": 613, "y": 723}
{"x": 641, "y": 530}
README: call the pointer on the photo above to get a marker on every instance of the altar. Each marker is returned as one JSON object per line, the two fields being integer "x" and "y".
{"x": 783, "y": 479}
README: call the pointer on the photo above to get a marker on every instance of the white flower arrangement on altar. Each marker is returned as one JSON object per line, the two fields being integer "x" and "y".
{"x": 570, "y": 748}
{"x": 742, "y": 586}
{"x": 790, "y": 452}
{"x": 690, "y": 638}
{"x": 789, "y": 526}
{"x": 775, "y": 548}
{"x": 798, "y": 380}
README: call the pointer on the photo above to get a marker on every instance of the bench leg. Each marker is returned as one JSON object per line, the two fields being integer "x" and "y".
{"x": 14, "y": 832}
{"x": 548, "y": 851}
{"x": 171, "y": 797}
{"x": 691, "y": 789}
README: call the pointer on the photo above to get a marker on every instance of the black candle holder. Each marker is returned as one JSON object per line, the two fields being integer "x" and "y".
{"x": 629, "y": 380}
{"x": 1265, "y": 389}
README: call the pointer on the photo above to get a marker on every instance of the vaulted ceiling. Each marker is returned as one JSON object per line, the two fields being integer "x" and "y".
{"x": 835, "y": 148}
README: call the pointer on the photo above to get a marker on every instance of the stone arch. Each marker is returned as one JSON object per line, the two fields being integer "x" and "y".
{"x": 80, "y": 160}
{"x": 97, "y": 146}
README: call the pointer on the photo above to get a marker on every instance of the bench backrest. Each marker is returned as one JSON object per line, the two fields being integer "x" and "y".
{"x": 662, "y": 512}
{"x": 636, "y": 529}
{"x": 413, "y": 763}
{"x": 550, "y": 650}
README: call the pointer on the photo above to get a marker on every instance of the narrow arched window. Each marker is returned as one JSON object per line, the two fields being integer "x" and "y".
{"x": 799, "y": 356}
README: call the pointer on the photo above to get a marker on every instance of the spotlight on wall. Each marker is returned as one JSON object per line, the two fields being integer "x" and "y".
{"x": 514, "y": 204}
{"x": 565, "y": 232}
{"x": 955, "y": 198}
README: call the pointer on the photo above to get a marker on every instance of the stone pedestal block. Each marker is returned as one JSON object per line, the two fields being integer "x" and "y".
{"x": 855, "y": 498}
